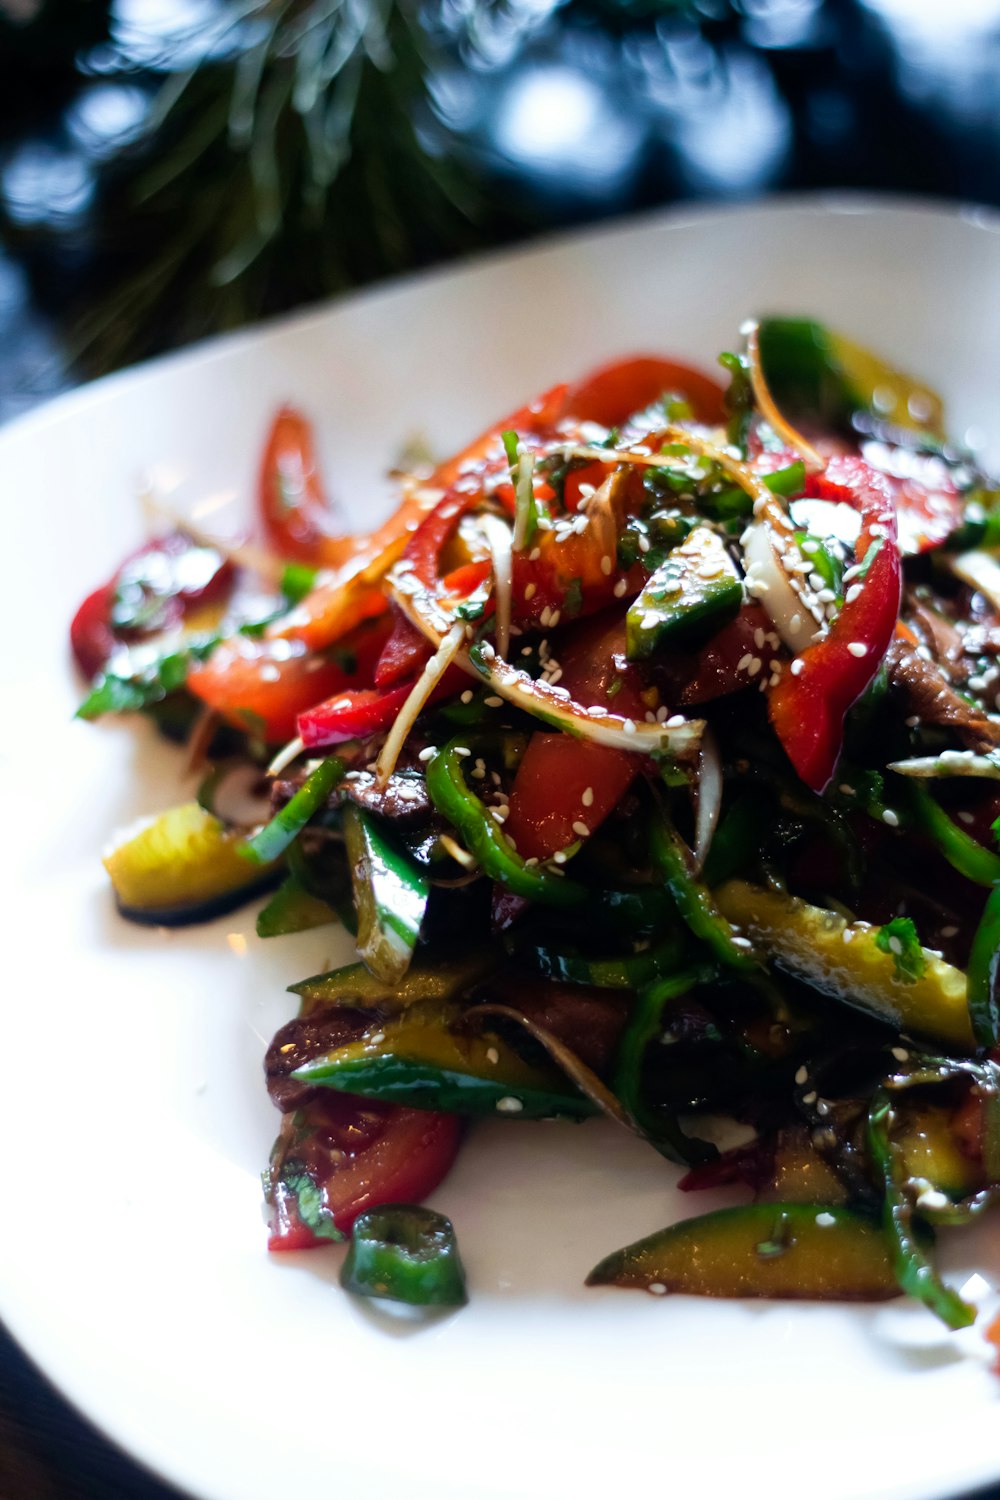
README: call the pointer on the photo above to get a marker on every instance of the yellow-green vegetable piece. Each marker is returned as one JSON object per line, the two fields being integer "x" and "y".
{"x": 782, "y": 1250}
{"x": 183, "y": 858}
{"x": 841, "y": 959}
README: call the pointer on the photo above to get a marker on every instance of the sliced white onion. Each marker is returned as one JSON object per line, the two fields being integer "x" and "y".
{"x": 425, "y": 684}
{"x": 981, "y": 571}
{"x": 524, "y": 497}
{"x": 949, "y": 763}
{"x": 786, "y": 601}
{"x": 285, "y": 756}
{"x": 545, "y": 702}
{"x": 708, "y": 798}
{"x": 498, "y": 539}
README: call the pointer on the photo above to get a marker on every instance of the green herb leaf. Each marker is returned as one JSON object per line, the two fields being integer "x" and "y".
{"x": 899, "y": 937}
{"x": 297, "y": 581}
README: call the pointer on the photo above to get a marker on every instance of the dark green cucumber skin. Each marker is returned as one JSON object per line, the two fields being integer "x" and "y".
{"x": 400, "y": 1080}
{"x": 201, "y": 911}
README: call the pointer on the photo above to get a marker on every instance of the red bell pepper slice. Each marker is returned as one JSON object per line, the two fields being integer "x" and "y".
{"x": 808, "y": 707}
{"x": 264, "y": 685}
{"x": 537, "y": 417}
{"x": 355, "y": 715}
{"x": 617, "y": 390}
{"x": 295, "y": 514}
{"x": 90, "y": 633}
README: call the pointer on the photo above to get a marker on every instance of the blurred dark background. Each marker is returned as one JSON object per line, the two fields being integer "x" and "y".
{"x": 173, "y": 168}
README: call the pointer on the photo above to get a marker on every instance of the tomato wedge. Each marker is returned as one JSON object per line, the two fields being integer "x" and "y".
{"x": 615, "y": 391}
{"x": 358, "y": 1153}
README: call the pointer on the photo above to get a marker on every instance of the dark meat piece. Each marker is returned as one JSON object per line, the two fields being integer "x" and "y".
{"x": 941, "y": 636}
{"x": 403, "y": 799}
{"x": 588, "y": 1021}
{"x": 301, "y": 1040}
{"x": 932, "y": 698}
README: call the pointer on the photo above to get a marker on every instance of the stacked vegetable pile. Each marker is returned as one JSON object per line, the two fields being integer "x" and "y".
{"x": 649, "y": 750}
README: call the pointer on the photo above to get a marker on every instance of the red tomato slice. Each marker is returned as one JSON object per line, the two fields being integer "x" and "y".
{"x": 615, "y": 391}
{"x": 360, "y": 1153}
{"x": 264, "y": 685}
{"x": 562, "y": 780}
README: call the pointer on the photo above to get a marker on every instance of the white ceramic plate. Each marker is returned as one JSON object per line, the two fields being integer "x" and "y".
{"x": 134, "y": 1118}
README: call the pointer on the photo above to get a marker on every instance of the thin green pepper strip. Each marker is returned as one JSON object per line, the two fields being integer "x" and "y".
{"x": 486, "y": 841}
{"x": 274, "y": 838}
{"x": 959, "y": 848}
{"x": 694, "y": 899}
{"x": 984, "y": 975}
{"x": 914, "y": 1272}
{"x": 628, "y": 972}
{"x": 645, "y": 1024}
{"x": 405, "y": 1253}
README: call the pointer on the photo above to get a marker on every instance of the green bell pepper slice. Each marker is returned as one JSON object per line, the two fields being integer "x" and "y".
{"x": 693, "y": 592}
{"x": 431, "y": 978}
{"x": 485, "y": 839}
{"x": 694, "y": 900}
{"x": 274, "y": 838}
{"x": 628, "y": 972}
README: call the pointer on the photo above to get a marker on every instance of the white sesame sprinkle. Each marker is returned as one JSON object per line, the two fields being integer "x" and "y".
{"x": 854, "y": 592}
{"x": 857, "y": 648}
{"x": 588, "y": 797}
{"x": 966, "y": 818}
{"x": 428, "y": 752}
{"x": 629, "y": 726}
{"x": 467, "y": 696}
{"x": 545, "y": 617}
{"x": 798, "y": 666}
{"x": 848, "y": 934}
{"x": 675, "y": 721}
{"x": 825, "y": 1220}
{"x": 534, "y": 554}
{"x": 492, "y": 1055}
{"x": 509, "y": 1105}
{"x": 580, "y": 829}
{"x": 949, "y": 932}
{"x": 754, "y": 667}
{"x": 643, "y": 544}
{"x": 657, "y": 1288}
{"x": 801, "y": 1075}
{"x": 744, "y": 662}
{"x": 809, "y": 1098}
{"x": 493, "y": 702}
{"x": 900, "y": 1054}
{"x": 560, "y": 857}
{"x": 530, "y": 591}
{"x": 606, "y": 566}
{"x": 890, "y": 817}
{"x": 462, "y": 750}
{"x": 758, "y": 638}
{"x": 619, "y": 589}
{"x": 895, "y": 945}
{"x": 795, "y": 624}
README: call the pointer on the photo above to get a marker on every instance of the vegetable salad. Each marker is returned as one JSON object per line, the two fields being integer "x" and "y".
{"x": 649, "y": 750}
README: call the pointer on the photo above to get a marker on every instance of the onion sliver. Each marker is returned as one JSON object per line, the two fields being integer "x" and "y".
{"x": 545, "y": 702}
{"x": 708, "y": 798}
{"x": 768, "y": 582}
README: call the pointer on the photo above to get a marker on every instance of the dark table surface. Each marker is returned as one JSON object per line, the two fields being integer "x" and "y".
{"x": 877, "y": 95}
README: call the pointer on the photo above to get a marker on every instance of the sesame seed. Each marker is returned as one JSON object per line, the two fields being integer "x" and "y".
{"x": 545, "y": 617}
{"x": 900, "y": 1054}
{"x": 809, "y": 1098}
{"x": 492, "y": 1055}
{"x": 554, "y": 617}
{"x": 629, "y": 726}
{"x": 509, "y": 1105}
{"x": 534, "y": 554}
{"x": 795, "y": 624}
{"x": 854, "y": 592}
{"x": 949, "y": 932}
{"x": 466, "y": 696}
{"x": 581, "y": 830}
{"x": 890, "y": 817}
{"x": 493, "y": 702}
{"x": 801, "y": 1075}
{"x": 675, "y": 721}
{"x": 462, "y": 750}
{"x": 559, "y": 857}
{"x": 825, "y": 1220}
{"x": 606, "y": 566}
{"x": 643, "y": 544}
{"x": 895, "y": 946}
{"x": 742, "y": 942}
{"x": 588, "y": 797}
{"x": 857, "y": 648}
{"x": 758, "y": 638}
{"x": 428, "y": 752}
{"x": 657, "y": 1288}
{"x": 966, "y": 818}
{"x": 817, "y": 581}
{"x": 530, "y": 591}
{"x": 848, "y": 934}
{"x": 744, "y": 662}
{"x": 754, "y": 666}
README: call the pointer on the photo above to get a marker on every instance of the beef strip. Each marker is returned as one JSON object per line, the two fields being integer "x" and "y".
{"x": 932, "y": 698}
{"x": 403, "y": 799}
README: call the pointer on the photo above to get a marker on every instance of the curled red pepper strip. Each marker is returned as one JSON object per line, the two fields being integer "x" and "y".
{"x": 355, "y": 715}
{"x": 808, "y": 706}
